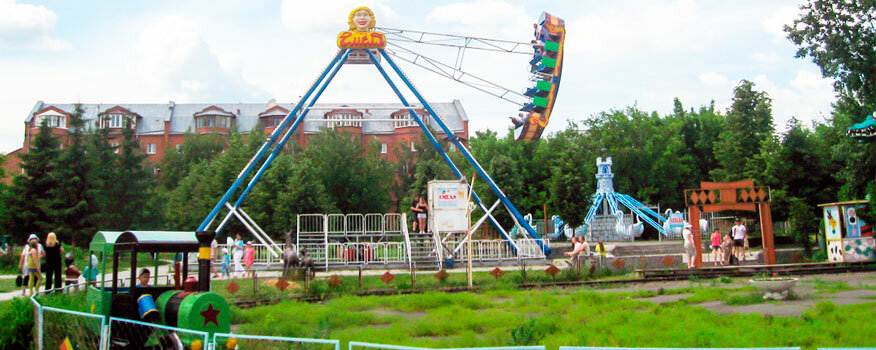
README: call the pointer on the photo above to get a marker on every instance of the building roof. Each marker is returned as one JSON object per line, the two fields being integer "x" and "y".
{"x": 246, "y": 115}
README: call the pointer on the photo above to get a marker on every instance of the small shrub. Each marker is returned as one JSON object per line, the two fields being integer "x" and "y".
{"x": 725, "y": 279}
{"x": 527, "y": 333}
{"x": 16, "y": 316}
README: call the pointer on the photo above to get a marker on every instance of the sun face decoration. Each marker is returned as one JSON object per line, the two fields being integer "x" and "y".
{"x": 361, "y": 34}
{"x": 361, "y": 19}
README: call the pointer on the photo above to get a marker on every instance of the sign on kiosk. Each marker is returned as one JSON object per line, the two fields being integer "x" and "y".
{"x": 448, "y": 201}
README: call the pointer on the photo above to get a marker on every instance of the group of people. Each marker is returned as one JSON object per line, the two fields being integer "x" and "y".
{"x": 238, "y": 251}
{"x": 581, "y": 250}
{"x": 732, "y": 245}
{"x": 31, "y": 265}
{"x": 728, "y": 249}
{"x": 420, "y": 208}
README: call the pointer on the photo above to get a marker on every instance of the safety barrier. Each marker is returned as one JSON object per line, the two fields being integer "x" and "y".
{"x": 498, "y": 250}
{"x": 138, "y": 335}
{"x": 242, "y": 341}
{"x": 357, "y": 254}
{"x": 360, "y": 345}
{"x": 58, "y": 326}
{"x": 621, "y": 348}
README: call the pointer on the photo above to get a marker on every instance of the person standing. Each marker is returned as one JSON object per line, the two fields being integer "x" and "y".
{"x": 421, "y": 216}
{"x": 54, "y": 251}
{"x": 214, "y": 255}
{"x": 740, "y": 234}
{"x": 33, "y": 268}
{"x": 415, "y": 211}
{"x": 249, "y": 259}
{"x": 716, "y": 246}
{"x": 237, "y": 255}
{"x": 689, "y": 249}
{"x": 25, "y": 256}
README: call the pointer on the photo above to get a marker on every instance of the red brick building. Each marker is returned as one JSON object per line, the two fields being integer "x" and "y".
{"x": 160, "y": 127}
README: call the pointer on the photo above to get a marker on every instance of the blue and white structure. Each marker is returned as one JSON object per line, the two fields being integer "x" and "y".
{"x": 605, "y": 205}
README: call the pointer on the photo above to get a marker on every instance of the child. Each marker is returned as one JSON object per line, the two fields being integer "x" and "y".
{"x": 71, "y": 274}
{"x": 143, "y": 278}
{"x": 716, "y": 246}
{"x": 226, "y": 264}
{"x": 249, "y": 258}
{"x": 33, "y": 269}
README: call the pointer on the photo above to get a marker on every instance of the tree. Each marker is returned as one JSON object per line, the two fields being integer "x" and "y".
{"x": 839, "y": 37}
{"x": 70, "y": 207}
{"x": 571, "y": 186}
{"x": 196, "y": 148}
{"x": 101, "y": 177}
{"x": 131, "y": 185}
{"x": 355, "y": 177}
{"x": 30, "y": 191}
{"x": 749, "y": 124}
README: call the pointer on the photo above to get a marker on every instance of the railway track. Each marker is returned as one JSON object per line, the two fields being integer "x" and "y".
{"x": 645, "y": 276}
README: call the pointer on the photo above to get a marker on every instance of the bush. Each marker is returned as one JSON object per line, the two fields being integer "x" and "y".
{"x": 16, "y": 316}
{"x": 527, "y": 333}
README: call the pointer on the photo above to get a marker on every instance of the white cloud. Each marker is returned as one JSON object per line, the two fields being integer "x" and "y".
{"x": 775, "y": 24}
{"x": 174, "y": 60}
{"x": 713, "y": 79}
{"x": 488, "y": 18}
{"x": 25, "y": 26}
{"x": 766, "y": 58}
{"x": 651, "y": 28}
{"x": 330, "y": 16}
{"x": 807, "y": 98}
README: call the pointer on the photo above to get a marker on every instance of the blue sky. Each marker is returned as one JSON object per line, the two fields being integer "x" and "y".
{"x": 619, "y": 53}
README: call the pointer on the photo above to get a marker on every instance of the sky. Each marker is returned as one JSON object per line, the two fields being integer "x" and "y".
{"x": 618, "y": 54}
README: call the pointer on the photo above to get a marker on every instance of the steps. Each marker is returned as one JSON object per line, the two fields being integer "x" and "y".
{"x": 423, "y": 252}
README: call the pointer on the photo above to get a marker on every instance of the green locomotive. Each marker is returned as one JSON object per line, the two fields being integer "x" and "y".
{"x": 188, "y": 303}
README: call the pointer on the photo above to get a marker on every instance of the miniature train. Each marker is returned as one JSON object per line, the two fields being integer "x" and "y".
{"x": 187, "y": 304}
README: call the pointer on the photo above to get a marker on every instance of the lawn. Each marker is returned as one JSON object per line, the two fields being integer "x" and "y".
{"x": 556, "y": 317}
{"x": 7, "y": 285}
{"x": 402, "y": 282}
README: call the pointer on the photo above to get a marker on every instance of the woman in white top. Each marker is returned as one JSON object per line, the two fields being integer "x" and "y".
{"x": 689, "y": 249}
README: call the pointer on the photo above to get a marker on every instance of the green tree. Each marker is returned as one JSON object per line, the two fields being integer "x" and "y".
{"x": 129, "y": 196}
{"x": 355, "y": 177}
{"x": 839, "y": 37}
{"x": 71, "y": 207}
{"x": 749, "y": 124}
{"x": 30, "y": 192}
{"x": 177, "y": 163}
{"x": 571, "y": 184}
{"x": 101, "y": 177}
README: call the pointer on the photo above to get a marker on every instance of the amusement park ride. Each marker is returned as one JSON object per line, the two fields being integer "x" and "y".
{"x": 195, "y": 307}
{"x": 368, "y": 46}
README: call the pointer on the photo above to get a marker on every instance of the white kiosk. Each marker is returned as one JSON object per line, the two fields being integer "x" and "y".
{"x": 448, "y": 207}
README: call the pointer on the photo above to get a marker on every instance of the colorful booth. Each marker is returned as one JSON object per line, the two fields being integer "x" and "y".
{"x": 849, "y": 238}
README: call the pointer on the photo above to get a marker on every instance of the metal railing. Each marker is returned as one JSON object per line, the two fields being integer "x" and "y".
{"x": 243, "y": 341}
{"x": 361, "y": 345}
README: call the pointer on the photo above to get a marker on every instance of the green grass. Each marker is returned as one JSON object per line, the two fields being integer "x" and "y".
{"x": 8, "y": 285}
{"x": 424, "y": 282}
{"x": 552, "y": 317}
{"x": 829, "y": 287}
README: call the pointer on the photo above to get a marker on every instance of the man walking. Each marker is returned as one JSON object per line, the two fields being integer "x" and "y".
{"x": 740, "y": 234}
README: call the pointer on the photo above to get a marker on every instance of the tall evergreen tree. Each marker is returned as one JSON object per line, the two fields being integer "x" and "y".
{"x": 132, "y": 180}
{"x": 30, "y": 193}
{"x": 749, "y": 125}
{"x": 70, "y": 207}
{"x": 103, "y": 157}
